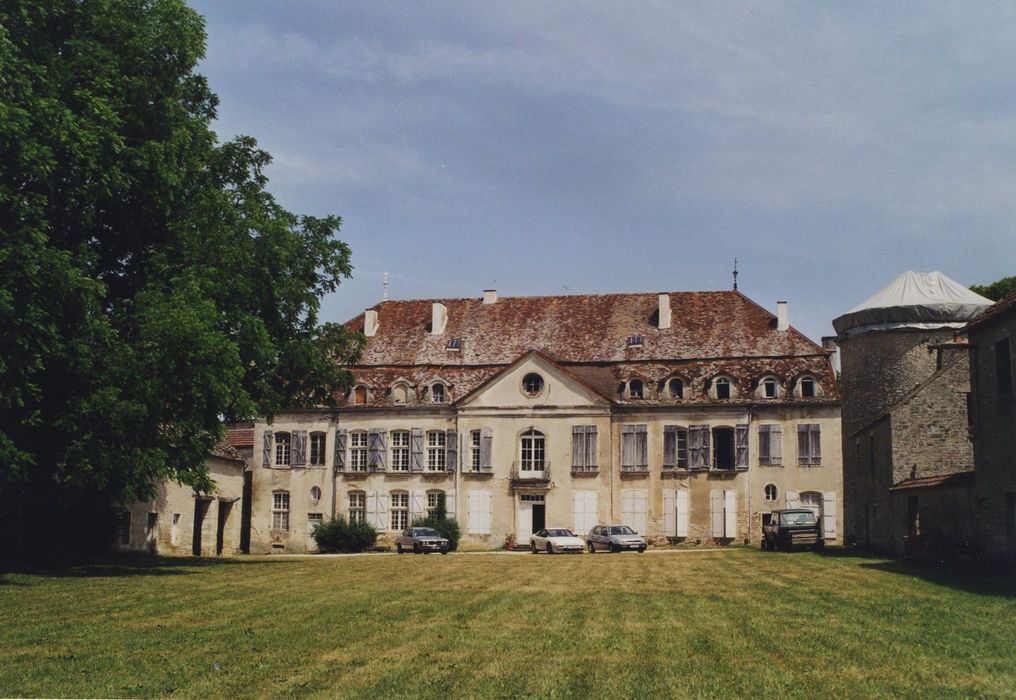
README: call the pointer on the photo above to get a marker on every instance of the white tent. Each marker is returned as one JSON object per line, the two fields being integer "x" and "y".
{"x": 914, "y": 300}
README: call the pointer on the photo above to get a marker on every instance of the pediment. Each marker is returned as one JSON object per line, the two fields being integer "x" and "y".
{"x": 508, "y": 388}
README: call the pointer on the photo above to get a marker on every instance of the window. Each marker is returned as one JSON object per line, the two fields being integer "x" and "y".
{"x": 1003, "y": 367}
{"x": 584, "y": 456}
{"x": 723, "y": 448}
{"x": 474, "y": 450}
{"x": 436, "y": 504}
{"x": 675, "y": 447}
{"x": 174, "y": 530}
{"x": 317, "y": 449}
{"x": 636, "y": 389}
{"x": 676, "y": 388}
{"x": 400, "y": 511}
{"x": 770, "y": 492}
{"x": 437, "y": 393}
{"x": 123, "y": 528}
{"x": 809, "y": 444}
{"x": 360, "y": 396}
{"x": 400, "y": 450}
{"x": 533, "y": 451}
{"x": 722, "y": 388}
{"x": 454, "y": 344}
{"x": 770, "y": 444}
{"x": 358, "y": 451}
{"x": 435, "y": 451}
{"x": 315, "y": 494}
{"x": 400, "y": 394}
{"x": 532, "y": 384}
{"x": 313, "y": 520}
{"x": 357, "y": 506}
{"x": 770, "y": 388}
{"x": 807, "y": 385}
{"x": 280, "y": 510}
{"x": 635, "y": 341}
{"x": 282, "y": 449}
{"x": 634, "y": 448}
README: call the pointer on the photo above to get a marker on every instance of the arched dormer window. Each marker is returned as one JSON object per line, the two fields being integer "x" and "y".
{"x": 438, "y": 394}
{"x": 359, "y": 395}
{"x": 723, "y": 388}
{"x": 400, "y": 394}
{"x": 807, "y": 387}
{"x": 769, "y": 388}
{"x": 675, "y": 388}
{"x": 636, "y": 389}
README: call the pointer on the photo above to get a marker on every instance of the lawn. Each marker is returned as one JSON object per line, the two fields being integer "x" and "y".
{"x": 734, "y": 622}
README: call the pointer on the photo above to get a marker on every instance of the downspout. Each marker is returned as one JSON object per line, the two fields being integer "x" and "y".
{"x": 335, "y": 424}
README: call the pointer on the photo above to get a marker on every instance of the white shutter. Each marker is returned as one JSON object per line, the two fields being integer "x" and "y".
{"x": 634, "y": 506}
{"x": 793, "y": 499}
{"x": 669, "y": 513}
{"x": 592, "y": 515}
{"x": 584, "y": 507}
{"x": 371, "y": 509}
{"x": 578, "y": 505}
{"x": 829, "y": 514}
{"x": 451, "y": 509}
{"x": 383, "y": 499}
{"x": 681, "y": 512}
{"x": 628, "y": 507}
{"x": 487, "y": 511}
{"x": 417, "y": 505}
{"x": 479, "y": 513}
{"x": 716, "y": 512}
{"x": 730, "y": 513}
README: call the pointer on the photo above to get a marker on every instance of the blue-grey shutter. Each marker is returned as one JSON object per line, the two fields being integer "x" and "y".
{"x": 340, "y": 450}
{"x": 382, "y": 450}
{"x": 741, "y": 446}
{"x": 699, "y": 438}
{"x": 803, "y": 453}
{"x": 591, "y": 452}
{"x": 416, "y": 450}
{"x": 374, "y": 449}
{"x": 451, "y": 450}
{"x": 578, "y": 448}
{"x": 267, "y": 458}
{"x": 642, "y": 447}
{"x": 299, "y": 448}
{"x": 816, "y": 443}
{"x": 775, "y": 444}
{"x": 486, "y": 445}
{"x": 669, "y": 446}
{"x": 627, "y": 447}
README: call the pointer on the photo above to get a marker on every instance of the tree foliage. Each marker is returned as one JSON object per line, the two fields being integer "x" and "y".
{"x": 997, "y": 289}
{"x": 151, "y": 285}
{"x": 339, "y": 535}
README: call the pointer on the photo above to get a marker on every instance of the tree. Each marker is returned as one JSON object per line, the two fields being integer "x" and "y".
{"x": 996, "y": 290}
{"x": 151, "y": 286}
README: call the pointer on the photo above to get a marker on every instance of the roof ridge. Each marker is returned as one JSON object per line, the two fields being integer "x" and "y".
{"x": 558, "y": 296}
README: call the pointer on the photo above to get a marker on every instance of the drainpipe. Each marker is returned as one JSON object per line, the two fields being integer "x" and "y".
{"x": 335, "y": 424}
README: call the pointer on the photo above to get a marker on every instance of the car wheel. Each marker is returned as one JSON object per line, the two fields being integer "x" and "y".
{"x": 642, "y": 550}
{"x": 614, "y": 548}
{"x": 532, "y": 546}
{"x": 444, "y": 551}
{"x": 550, "y": 548}
{"x": 398, "y": 548}
{"x": 416, "y": 549}
{"x": 592, "y": 549}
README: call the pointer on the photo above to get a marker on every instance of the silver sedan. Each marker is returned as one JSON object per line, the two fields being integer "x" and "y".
{"x": 421, "y": 539}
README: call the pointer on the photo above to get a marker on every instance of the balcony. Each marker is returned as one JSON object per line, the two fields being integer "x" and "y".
{"x": 528, "y": 476}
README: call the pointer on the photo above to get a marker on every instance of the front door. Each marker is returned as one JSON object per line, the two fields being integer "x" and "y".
{"x": 200, "y": 510}
{"x": 220, "y": 531}
{"x": 531, "y": 516}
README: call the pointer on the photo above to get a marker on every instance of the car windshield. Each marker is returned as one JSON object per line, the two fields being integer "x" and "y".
{"x": 621, "y": 530}
{"x": 559, "y": 533}
{"x": 426, "y": 532}
{"x": 802, "y": 518}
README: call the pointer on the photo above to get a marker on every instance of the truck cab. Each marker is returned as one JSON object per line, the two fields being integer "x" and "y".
{"x": 790, "y": 528}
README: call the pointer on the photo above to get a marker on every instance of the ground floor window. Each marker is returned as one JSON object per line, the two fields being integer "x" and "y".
{"x": 771, "y": 492}
{"x": 313, "y": 520}
{"x": 123, "y": 528}
{"x": 400, "y": 511}
{"x": 357, "y": 506}
{"x": 280, "y": 510}
{"x": 436, "y": 503}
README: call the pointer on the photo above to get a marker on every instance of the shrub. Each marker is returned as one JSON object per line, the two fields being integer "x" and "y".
{"x": 338, "y": 535}
{"x": 448, "y": 528}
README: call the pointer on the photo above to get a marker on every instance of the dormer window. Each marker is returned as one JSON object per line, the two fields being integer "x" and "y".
{"x": 807, "y": 385}
{"x": 400, "y": 394}
{"x": 437, "y": 393}
{"x": 635, "y": 341}
{"x": 532, "y": 384}
{"x": 675, "y": 388}
{"x": 636, "y": 389}
{"x": 770, "y": 388}
{"x": 360, "y": 395}
{"x": 454, "y": 344}
{"x": 722, "y": 388}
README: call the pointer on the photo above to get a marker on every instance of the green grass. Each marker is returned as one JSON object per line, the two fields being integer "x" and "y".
{"x": 699, "y": 623}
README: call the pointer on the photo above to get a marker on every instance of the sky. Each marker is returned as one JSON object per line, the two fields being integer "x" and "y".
{"x": 594, "y": 147}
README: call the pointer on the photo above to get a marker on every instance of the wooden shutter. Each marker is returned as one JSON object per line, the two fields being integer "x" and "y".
{"x": 416, "y": 450}
{"x": 775, "y": 444}
{"x": 299, "y": 448}
{"x": 578, "y": 500}
{"x": 627, "y": 447}
{"x": 383, "y": 499}
{"x": 417, "y": 505}
{"x": 716, "y": 513}
{"x": 382, "y": 450}
{"x": 479, "y": 517}
{"x": 681, "y": 512}
{"x": 584, "y": 507}
{"x": 578, "y": 451}
{"x": 591, "y": 449}
{"x": 816, "y": 443}
{"x": 741, "y": 446}
{"x": 642, "y": 447}
{"x": 340, "y": 450}
{"x": 803, "y": 453}
{"x": 370, "y": 509}
{"x": 730, "y": 513}
{"x": 374, "y": 449}
{"x": 698, "y": 436}
{"x": 793, "y": 499}
{"x": 669, "y": 512}
{"x": 763, "y": 444}
{"x": 628, "y": 508}
{"x": 268, "y": 442}
{"x": 829, "y": 514}
{"x": 451, "y": 511}
{"x": 486, "y": 445}
{"x": 451, "y": 450}
{"x": 634, "y": 504}
{"x": 670, "y": 447}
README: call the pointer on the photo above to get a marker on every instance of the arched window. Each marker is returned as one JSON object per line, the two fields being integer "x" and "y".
{"x": 636, "y": 389}
{"x": 807, "y": 387}
{"x": 769, "y": 388}
{"x": 282, "y": 455}
{"x": 532, "y": 451}
{"x": 437, "y": 392}
{"x": 360, "y": 395}
{"x": 722, "y": 388}
{"x": 400, "y": 394}
{"x": 675, "y": 387}
{"x": 771, "y": 492}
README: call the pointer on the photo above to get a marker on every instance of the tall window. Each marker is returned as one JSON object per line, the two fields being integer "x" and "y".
{"x": 358, "y": 451}
{"x": 533, "y": 451}
{"x": 723, "y": 448}
{"x": 357, "y": 506}
{"x": 317, "y": 448}
{"x": 400, "y": 450}
{"x": 282, "y": 449}
{"x": 770, "y": 444}
{"x": 400, "y": 510}
{"x": 436, "y": 502}
{"x": 809, "y": 443}
{"x": 771, "y": 492}
{"x": 636, "y": 389}
{"x": 676, "y": 388}
{"x": 360, "y": 395}
{"x": 474, "y": 450}
{"x": 437, "y": 393}
{"x": 770, "y": 388}
{"x": 675, "y": 447}
{"x": 436, "y": 451}
{"x": 280, "y": 510}
{"x": 808, "y": 387}
{"x": 722, "y": 385}
{"x": 1003, "y": 367}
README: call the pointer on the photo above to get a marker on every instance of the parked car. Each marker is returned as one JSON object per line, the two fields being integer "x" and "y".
{"x": 615, "y": 538}
{"x": 421, "y": 539}
{"x": 794, "y": 527}
{"x": 554, "y": 540}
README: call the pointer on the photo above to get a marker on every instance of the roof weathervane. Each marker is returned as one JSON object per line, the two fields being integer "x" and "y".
{"x": 735, "y": 274}
{"x": 384, "y": 297}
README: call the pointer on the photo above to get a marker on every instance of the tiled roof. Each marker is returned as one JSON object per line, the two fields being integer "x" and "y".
{"x": 711, "y": 333}
{"x": 925, "y": 482}
{"x": 1006, "y": 304}
{"x": 579, "y": 328}
{"x": 225, "y": 451}
{"x": 240, "y": 437}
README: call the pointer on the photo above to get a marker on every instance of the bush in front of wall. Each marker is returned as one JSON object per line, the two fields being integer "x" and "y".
{"x": 340, "y": 536}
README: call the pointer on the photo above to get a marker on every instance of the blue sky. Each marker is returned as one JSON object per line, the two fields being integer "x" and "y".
{"x": 587, "y": 147}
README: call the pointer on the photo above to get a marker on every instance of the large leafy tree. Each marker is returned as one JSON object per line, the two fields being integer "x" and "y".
{"x": 150, "y": 286}
{"x": 997, "y": 289}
